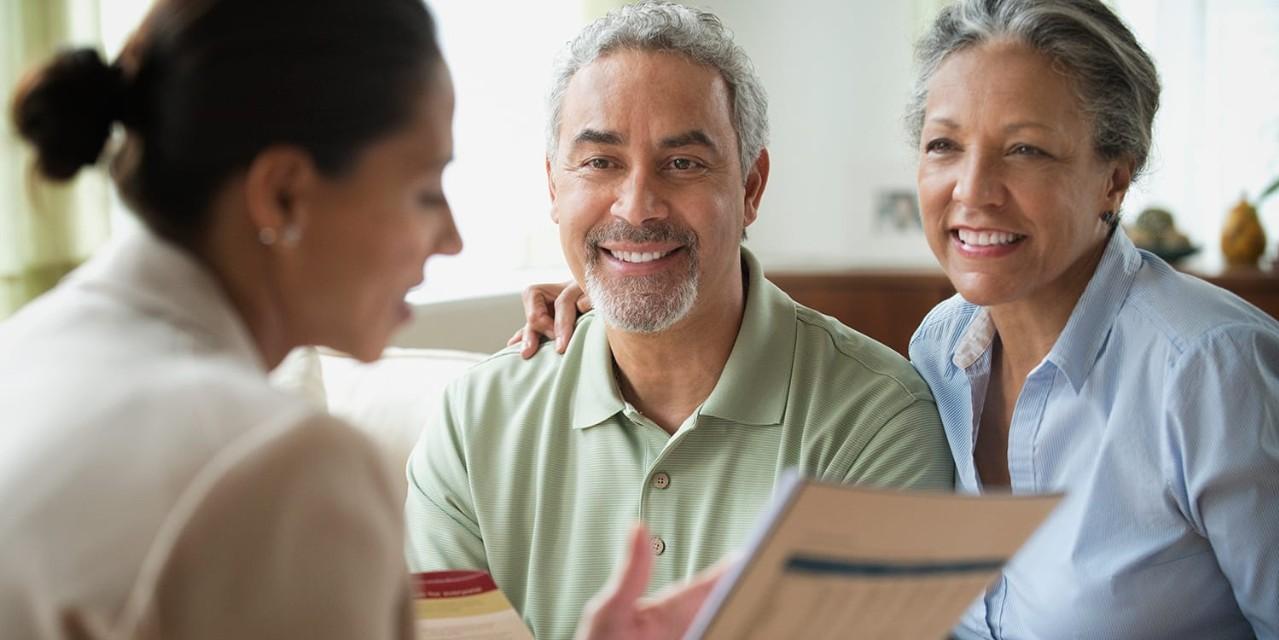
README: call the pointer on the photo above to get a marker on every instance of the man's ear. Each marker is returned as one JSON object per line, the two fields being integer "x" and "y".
{"x": 756, "y": 180}
{"x": 550, "y": 188}
{"x": 276, "y": 186}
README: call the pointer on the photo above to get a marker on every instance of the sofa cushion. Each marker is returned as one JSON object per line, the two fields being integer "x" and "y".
{"x": 390, "y": 399}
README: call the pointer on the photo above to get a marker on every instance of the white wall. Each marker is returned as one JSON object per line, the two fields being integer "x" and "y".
{"x": 838, "y": 77}
{"x": 837, "y": 73}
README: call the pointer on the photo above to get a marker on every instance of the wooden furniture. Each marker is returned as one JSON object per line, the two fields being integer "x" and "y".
{"x": 888, "y": 305}
{"x": 1258, "y": 286}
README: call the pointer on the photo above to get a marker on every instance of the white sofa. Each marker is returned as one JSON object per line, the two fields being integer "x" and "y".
{"x": 392, "y": 399}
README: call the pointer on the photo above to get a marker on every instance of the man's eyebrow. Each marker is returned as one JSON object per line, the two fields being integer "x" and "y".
{"x": 594, "y": 136}
{"x": 695, "y": 137}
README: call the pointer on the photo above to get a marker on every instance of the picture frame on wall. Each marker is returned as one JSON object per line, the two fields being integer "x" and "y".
{"x": 897, "y": 212}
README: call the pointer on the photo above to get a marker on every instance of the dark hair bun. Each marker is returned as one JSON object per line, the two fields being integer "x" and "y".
{"x": 65, "y": 111}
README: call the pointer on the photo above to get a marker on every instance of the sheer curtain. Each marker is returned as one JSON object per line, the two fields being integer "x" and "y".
{"x": 45, "y": 231}
{"x": 497, "y": 181}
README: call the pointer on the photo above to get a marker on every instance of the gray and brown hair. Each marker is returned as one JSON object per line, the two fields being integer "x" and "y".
{"x": 1114, "y": 77}
{"x": 667, "y": 27}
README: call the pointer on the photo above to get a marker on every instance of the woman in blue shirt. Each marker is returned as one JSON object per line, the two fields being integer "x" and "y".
{"x": 1070, "y": 360}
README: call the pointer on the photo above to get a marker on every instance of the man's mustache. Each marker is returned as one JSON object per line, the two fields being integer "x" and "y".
{"x": 658, "y": 231}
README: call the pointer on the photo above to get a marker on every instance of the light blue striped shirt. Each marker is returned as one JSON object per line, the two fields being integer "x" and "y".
{"x": 1157, "y": 412}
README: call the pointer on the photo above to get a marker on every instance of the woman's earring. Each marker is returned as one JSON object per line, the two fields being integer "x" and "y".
{"x": 268, "y": 236}
{"x": 1109, "y": 218}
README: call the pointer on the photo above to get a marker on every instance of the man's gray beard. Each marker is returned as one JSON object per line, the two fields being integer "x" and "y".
{"x": 643, "y": 304}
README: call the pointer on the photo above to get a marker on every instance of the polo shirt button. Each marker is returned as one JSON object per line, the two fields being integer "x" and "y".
{"x": 661, "y": 480}
{"x": 659, "y": 545}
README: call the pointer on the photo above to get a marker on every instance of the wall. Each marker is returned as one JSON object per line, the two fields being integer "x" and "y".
{"x": 838, "y": 75}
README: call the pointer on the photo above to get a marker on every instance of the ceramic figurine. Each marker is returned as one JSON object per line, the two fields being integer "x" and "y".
{"x": 1242, "y": 239}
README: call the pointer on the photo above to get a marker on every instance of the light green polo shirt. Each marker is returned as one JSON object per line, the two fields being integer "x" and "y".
{"x": 535, "y": 470}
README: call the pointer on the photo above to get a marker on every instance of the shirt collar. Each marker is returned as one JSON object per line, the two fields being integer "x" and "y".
{"x": 162, "y": 280}
{"x": 1080, "y": 342}
{"x": 755, "y": 382}
{"x": 596, "y": 396}
{"x": 975, "y": 340}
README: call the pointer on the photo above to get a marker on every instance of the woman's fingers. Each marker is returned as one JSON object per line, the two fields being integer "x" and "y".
{"x": 531, "y": 340}
{"x": 583, "y": 301}
{"x": 538, "y": 303}
{"x": 566, "y": 315}
{"x": 550, "y": 310}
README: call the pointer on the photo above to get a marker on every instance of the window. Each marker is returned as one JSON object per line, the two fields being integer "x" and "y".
{"x": 501, "y": 70}
{"x": 1217, "y": 131}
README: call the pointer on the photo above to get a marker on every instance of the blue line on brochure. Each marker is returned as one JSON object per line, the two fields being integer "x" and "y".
{"x": 877, "y": 569}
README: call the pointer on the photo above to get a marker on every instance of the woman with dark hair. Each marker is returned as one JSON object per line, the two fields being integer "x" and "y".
{"x": 285, "y": 157}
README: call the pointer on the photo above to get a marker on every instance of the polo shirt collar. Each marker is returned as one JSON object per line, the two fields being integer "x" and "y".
{"x": 755, "y": 382}
{"x": 596, "y": 396}
{"x": 1079, "y": 345}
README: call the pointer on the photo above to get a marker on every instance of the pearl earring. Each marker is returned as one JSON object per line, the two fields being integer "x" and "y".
{"x": 268, "y": 236}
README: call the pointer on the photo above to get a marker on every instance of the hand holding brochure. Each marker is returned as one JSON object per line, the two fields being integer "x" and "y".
{"x": 838, "y": 561}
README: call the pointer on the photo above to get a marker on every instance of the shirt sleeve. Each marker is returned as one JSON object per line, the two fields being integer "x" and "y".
{"x": 297, "y": 536}
{"x": 908, "y": 452}
{"x": 1222, "y": 417}
{"x": 443, "y": 530}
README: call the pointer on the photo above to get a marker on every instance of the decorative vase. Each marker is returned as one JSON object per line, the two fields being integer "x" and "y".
{"x": 1242, "y": 239}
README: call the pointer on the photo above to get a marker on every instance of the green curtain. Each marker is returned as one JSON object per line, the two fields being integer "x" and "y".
{"x": 45, "y": 230}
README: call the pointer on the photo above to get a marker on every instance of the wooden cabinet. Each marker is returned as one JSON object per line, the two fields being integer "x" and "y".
{"x": 1258, "y": 286}
{"x": 888, "y": 305}
{"x": 885, "y": 305}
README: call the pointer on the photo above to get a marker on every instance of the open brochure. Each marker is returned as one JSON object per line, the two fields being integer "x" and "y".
{"x": 837, "y": 561}
{"x": 464, "y": 605}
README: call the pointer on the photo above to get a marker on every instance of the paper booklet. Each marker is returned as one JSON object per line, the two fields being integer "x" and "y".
{"x": 838, "y": 561}
{"x": 464, "y": 605}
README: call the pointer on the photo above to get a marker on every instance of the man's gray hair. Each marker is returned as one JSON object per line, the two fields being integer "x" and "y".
{"x": 667, "y": 27}
{"x": 1115, "y": 80}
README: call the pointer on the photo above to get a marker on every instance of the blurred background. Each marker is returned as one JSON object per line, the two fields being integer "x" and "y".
{"x": 838, "y": 72}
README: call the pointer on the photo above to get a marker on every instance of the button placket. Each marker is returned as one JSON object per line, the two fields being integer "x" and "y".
{"x": 658, "y": 481}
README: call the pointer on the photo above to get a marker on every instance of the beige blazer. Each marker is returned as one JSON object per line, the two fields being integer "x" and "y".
{"x": 153, "y": 485}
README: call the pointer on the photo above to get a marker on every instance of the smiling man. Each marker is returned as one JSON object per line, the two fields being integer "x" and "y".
{"x": 693, "y": 385}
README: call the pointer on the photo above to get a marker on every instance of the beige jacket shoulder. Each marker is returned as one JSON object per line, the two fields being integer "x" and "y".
{"x": 155, "y": 485}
